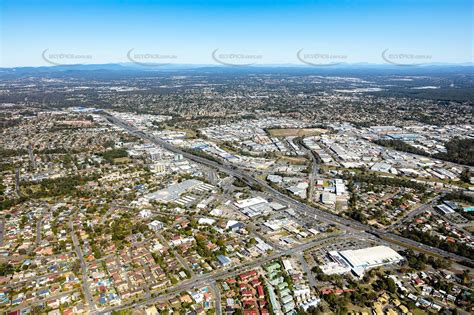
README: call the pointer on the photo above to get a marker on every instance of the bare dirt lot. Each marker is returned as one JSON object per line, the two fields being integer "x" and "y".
{"x": 294, "y": 132}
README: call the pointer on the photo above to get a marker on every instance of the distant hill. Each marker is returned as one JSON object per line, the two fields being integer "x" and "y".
{"x": 131, "y": 69}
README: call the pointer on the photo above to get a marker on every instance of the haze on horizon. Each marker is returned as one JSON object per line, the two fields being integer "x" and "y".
{"x": 264, "y": 32}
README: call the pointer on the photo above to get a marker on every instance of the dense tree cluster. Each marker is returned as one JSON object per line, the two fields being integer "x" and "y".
{"x": 5, "y": 153}
{"x": 62, "y": 186}
{"x": 459, "y": 196}
{"x": 6, "y": 269}
{"x": 427, "y": 238}
{"x": 384, "y": 181}
{"x": 110, "y": 155}
{"x": 458, "y": 150}
{"x": 400, "y": 145}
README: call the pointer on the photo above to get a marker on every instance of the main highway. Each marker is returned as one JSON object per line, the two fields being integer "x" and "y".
{"x": 298, "y": 206}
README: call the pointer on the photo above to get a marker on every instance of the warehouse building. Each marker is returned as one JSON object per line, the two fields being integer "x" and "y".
{"x": 371, "y": 257}
{"x": 359, "y": 260}
{"x": 444, "y": 209}
{"x": 328, "y": 198}
{"x": 173, "y": 192}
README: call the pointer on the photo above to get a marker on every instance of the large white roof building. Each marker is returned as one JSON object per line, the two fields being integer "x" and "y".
{"x": 173, "y": 192}
{"x": 359, "y": 260}
{"x": 371, "y": 257}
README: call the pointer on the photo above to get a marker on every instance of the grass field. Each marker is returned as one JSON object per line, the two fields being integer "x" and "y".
{"x": 190, "y": 133}
{"x": 121, "y": 160}
{"x": 294, "y": 160}
{"x": 470, "y": 228}
{"x": 294, "y": 132}
{"x": 417, "y": 311}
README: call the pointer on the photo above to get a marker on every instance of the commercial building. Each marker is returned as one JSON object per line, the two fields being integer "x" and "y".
{"x": 340, "y": 187}
{"x": 253, "y": 207}
{"x": 174, "y": 191}
{"x": 223, "y": 260}
{"x": 371, "y": 257}
{"x": 381, "y": 167}
{"x": 359, "y": 260}
{"x": 328, "y": 198}
{"x": 155, "y": 225}
{"x": 444, "y": 209}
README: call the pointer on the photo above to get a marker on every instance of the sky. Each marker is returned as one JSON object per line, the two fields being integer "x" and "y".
{"x": 43, "y": 33}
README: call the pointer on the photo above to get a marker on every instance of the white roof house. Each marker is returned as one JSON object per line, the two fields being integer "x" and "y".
{"x": 328, "y": 198}
{"x": 145, "y": 213}
{"x": 156, "y": 225}
{"x": 249, "y": 202}
{"x": 206, "y": 221}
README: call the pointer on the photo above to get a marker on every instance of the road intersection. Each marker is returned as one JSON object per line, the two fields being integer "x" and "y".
{"x": 297, "y": 206}
{"x": 348, "y": 226}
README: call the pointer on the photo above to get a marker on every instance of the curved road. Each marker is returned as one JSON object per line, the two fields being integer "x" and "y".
{"x": 298, "y": 206}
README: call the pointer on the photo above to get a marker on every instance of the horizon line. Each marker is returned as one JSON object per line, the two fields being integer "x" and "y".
{"x": 255, "y": 65}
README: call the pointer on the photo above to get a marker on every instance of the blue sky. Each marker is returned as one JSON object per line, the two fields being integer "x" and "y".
{"x": 348, "y": 30}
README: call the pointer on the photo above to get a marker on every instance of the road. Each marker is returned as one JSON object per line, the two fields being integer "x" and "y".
{"x": 30, "y": 280}
{"x": 422, "y": 208}
{"x": 2, "y": 230}
{"x": 20, "y": 307}
{"x": 178, "y": 256}
{"x": 413, "y": 213}
{"x": 212, "y": 176}
{"x": 39, "y": 222}
{"x": 204, "y": 279}
{"x": 297, "y": 206}
{"x": 314, "y": 168}
{"x": 217, "y": 296}
{"x": 85, "y": 283}
{"x": 307, "y": 270}
{"x": 253, "y": 230}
